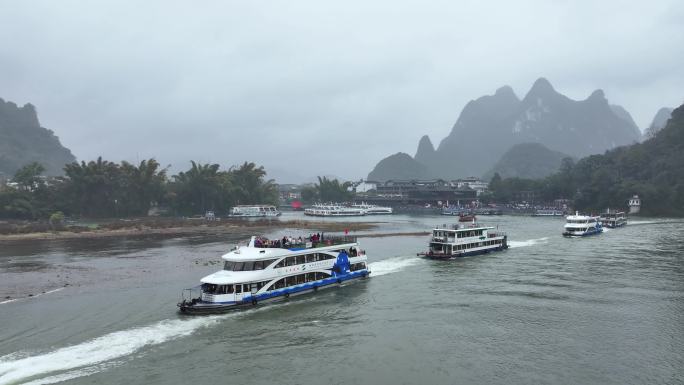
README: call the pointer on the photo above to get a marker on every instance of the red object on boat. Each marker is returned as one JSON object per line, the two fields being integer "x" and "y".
{"x": 297, "y": 205}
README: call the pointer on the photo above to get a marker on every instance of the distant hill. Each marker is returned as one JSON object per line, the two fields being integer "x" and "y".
{"x": 398, "y": 166}
{"x": 23, "y": 140}
{"x": 488, "y": 127}
{"x": 659, "y": 121}
{"x": 527, "y": 160}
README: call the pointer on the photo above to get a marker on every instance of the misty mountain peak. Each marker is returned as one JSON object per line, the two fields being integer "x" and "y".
{"x": 597, "y": 96}
{"x": 23, "y": 140}
{"x": 659, "y": 121}
{"x": 426, "y": 151}
{"x": 541, "y": 88}
{"x": 425, "y": 145}
{"x": 506, "y": 91}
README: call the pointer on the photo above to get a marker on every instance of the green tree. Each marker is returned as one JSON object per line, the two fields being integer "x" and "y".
{"x": 141, "y": 186}
{"x": 250, "y": 186}
{"x": 331, "y": 190}
{"x": 93, "y": 187}
{"x": 199, "y": 189}
{"x": 28, "y": 177}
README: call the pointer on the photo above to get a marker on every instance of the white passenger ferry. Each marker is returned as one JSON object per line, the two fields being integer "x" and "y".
{"x": 548, "y": 213}
{"x": 268, "y": 270}
{"x": 463, "y": 240}
{"x": 613, "y": 219}
{"x": 582, "y": 225}
{"x": 333, "y": 210}
{"x": 254, "y": 211}
{"x": 373, "y": 209}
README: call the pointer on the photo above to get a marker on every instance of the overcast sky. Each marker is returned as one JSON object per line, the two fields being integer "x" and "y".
{"x": 317, "y": 87}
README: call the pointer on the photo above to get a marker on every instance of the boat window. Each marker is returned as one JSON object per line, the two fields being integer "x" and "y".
{"x": 357, "y": 266}
{"x": 258, "y": 265}
{"x": 301, "y": 278}
{"x": 321, "y": 275}
{"x": 238, "y": 289}
{"x": 246, "y": 288}
{"x": 290, "y": 261}
{"x": 279, "y": 284}
{"x": 228, "y": 265}
{"x": 289, "y": 281}
{"x": 238, "y": 266}
{"x": 280, "y": 264}
{"x": 248, "y": 266}
{"x": 310, "y": 277}
{"x": 309, "y": 258}
{"x": 301, "y": 259}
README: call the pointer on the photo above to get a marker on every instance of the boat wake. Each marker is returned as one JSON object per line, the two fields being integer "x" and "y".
{"x": 97, "y": 354}
{"x": 392, "y": 265}
{"x": 37, "y": 295}
{"x": 529, "y": 242}
{"x": 642, "y": 222}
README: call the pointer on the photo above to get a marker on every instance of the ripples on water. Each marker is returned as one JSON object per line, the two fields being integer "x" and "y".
{"x": 606, "y": 309}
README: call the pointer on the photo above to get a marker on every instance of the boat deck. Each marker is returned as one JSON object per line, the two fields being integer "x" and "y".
{"x": 304, "y": 244}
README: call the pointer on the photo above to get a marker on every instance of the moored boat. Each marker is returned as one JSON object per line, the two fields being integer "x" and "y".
{"x": 613, "y": 219}
{"x": 269, "y": 270}
{"x": 333, "y": 210}
{"x": 466, "y": 217}
{"x": 254, "y": 211}
{"x": 548, "y": 213}
{"x": 582, "y": 225}
{"x": 464, "y": 240}
{"x": 370, "y": 209}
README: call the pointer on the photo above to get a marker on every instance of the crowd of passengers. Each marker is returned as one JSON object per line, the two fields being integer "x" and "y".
{"x": 287, "y": 241}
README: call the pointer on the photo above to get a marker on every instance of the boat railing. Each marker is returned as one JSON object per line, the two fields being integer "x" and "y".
{"x": 458, "y": 226}
{"x": 494, "y": 234}
{"x": 326, "y": 240}
{"x": 192, "y": 293}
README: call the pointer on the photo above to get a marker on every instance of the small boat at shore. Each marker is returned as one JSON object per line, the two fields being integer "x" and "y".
{"x": 613, "y": 219}
{"x": 464, "y": 240}
{"x": 582, "y": 225}
{"x": 270, "y": 270}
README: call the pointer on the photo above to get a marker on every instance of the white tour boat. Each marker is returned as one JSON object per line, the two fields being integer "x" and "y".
{"x": 548, "y": 213}
{"x": 463, "y": 240}
{"x": 255, "y": 211}
{"x": 269, "y": 270}
{"x": 613, "y": 219}
{"x": 333, "y": 210}
{"x": 373, "y": 209}
{"x": 582, "y": 225}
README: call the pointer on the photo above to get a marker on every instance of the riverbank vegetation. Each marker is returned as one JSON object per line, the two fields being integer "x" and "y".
{"x": 104, "y": 189}
{"x": 328, "y": 190}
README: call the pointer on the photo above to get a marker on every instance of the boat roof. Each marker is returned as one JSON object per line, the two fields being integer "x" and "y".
{"x": 225, "y": 277}
{"x": 463, "y": 227}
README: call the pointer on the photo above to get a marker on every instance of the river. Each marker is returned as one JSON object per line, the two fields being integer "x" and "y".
{"x": 607, "y": 309}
